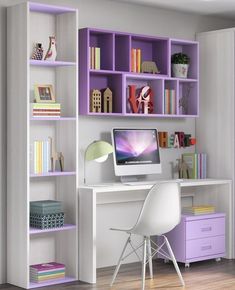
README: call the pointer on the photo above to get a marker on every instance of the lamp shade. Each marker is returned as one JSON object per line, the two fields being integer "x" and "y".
{"x": 98, "y": 149}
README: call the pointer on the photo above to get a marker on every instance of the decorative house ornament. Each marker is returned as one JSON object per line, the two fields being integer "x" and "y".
{"x": 107, "y": 101}
{"x": 37, "y": 52}
{"x": 55, "y": 156}
{"x": 149, "y": 67}
{"x": 143, "y": 102}
{"x": 51, "y": 52}
{"x": 96, "y": 101}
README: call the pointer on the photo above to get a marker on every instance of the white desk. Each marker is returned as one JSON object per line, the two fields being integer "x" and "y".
{"x": 214, "y": 191}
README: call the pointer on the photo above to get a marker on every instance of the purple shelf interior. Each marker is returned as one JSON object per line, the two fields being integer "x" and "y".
{"x": 190, "y": 91}
{"x": 106, "y": 43}
{"x": 191, "y": 49}
{"x": 156, "y": 50}
{"x": 51, "y": 63}
{"x": 66, "y": 227}
{"x": 44, "y": 8}
{"x": 52, "y": 282}
{"x": 52, "y": 118}
{"x": 114, "y": 82}
{"x": 56, "y": 173}
{"x": 122, "y": 52}
{"x": 156, "y": 86}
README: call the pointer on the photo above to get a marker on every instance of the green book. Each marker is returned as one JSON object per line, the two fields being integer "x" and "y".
{"x": 191, "y": 160}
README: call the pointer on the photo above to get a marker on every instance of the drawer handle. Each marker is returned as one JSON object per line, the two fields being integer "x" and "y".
{"x": 204, "y": 248}
{"x": 207, "y": 229}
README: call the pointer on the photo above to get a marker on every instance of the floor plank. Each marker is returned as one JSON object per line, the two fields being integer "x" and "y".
{"x": 207, "y": 275}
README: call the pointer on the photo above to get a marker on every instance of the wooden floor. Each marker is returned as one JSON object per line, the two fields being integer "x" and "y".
{"x": 207, "y": 275}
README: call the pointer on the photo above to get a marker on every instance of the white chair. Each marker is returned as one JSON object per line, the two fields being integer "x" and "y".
{"x": 160, "y": 213}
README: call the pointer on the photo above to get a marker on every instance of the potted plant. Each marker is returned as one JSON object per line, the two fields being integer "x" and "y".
{"x": 180, "y": 64}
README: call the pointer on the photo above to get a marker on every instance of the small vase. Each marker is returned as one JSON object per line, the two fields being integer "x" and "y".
{"x": 180, "y": 70}
{"x": 37, "y": 52}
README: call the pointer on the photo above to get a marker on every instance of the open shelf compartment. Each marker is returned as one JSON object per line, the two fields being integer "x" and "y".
{"x": 156, "y": 86}
{"x": 170, "y": 97}
{"x": 188, "y": 98}
{"x": 153, "y": 49}
{"x": 105, "y": 41}
{"x": 102, "y": 81}
{"x": 122, "y": 52}
{"x": 190, "y": 48}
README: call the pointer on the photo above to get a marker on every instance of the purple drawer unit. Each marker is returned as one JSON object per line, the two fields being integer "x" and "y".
{"x": 198, "y": 238}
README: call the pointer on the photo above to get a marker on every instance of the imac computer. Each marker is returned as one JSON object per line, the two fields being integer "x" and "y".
{"x": 136, "y": 153}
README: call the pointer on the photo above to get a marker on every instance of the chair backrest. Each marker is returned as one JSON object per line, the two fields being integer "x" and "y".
{"x": 161, "y": 211}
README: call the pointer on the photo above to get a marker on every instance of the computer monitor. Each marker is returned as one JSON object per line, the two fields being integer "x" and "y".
{"x": 136, "y": 152}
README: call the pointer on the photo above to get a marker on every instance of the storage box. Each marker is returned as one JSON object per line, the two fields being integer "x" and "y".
{"x": 45, "y": 207}
{"x": 47, "y": 221}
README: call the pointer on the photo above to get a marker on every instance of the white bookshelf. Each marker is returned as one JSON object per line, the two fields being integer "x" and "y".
{"x": 28, "y": 23}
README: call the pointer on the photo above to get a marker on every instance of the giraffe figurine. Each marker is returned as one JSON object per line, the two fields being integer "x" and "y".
{"x": 55, "y": 156}
{"x": 51, "y": 52}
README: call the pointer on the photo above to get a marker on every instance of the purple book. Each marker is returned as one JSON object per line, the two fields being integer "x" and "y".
{"x": 47, "y": 266}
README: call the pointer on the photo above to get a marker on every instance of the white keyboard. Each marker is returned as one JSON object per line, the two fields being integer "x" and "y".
{"x": 150, "y": 182}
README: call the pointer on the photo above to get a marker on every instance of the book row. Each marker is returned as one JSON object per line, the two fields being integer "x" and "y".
{"x": 40, "y": 273}
{"x": 41, "y": 157}
{"x": 196, "y": 164}
{"x": 197, "y": 210}
{"x": 169, "y": 102}
{"x": 136, "y": 56}
{"x": 45, "y": 110}
{"x": 94, "y": 57}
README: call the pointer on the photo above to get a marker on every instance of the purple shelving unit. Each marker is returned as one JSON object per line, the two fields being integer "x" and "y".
{"x": 51, "y": 282}
{"x": 66, "y": 227}
{"x": 115, "y": 71}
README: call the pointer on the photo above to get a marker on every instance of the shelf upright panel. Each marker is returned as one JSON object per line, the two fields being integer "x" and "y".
{"x": 18, "y": 145}
{"x": 24, "y": 247}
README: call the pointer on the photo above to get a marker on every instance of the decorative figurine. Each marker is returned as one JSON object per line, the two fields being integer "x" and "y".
{"x": 56, "y": 156}
{"x": 149, "y": 67}
{"x": 144, "y": 101}
{"x": 107, "y": 101}
{"x": 37, "y": 52}
{"x": 51, "y": 52}
{"x": 183, "y": 169}
{"x": 183, "y": 101}
{"x": 96, "y": 102}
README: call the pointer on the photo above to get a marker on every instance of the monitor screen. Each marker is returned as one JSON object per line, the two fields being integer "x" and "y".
{"x": 136, "y": 151}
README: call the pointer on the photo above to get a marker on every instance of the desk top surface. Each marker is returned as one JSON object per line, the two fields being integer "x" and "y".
{"x": 109, "y": 187}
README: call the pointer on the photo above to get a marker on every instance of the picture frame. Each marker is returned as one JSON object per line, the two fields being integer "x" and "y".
{"x": 44, "y": 93}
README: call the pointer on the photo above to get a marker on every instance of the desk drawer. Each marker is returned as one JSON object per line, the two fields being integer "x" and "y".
{"x": 205, "y": 228}
{"x": 205, "y": 247}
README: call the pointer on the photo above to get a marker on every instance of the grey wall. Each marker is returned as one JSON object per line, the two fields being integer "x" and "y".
{"x": 116, "y": 16}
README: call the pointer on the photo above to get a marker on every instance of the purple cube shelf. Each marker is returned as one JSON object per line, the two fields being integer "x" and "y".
{"x": 55, "y": 173}
{"x": 51, "y": 282}
{"x": 116, "y": 71}
{"x": 34, "y": 231}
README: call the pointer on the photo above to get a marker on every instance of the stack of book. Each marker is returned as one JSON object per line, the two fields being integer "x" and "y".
{"x": 94, "y": 57}
{"x": 45, "y": 272}
{"x": 46, "y": 214}
{"x": 196, "y": 163}
{"x": 169, "y": 102}
{"x": 136, "y": 60}
{"x": 41, "y": 157}
{"x": 200, "y": 209}
{"x": 45, "y": 110}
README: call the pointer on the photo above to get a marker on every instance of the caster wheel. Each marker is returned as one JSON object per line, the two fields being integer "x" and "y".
{"x": 187, "y": 265}
{"x": 218, "y": 259}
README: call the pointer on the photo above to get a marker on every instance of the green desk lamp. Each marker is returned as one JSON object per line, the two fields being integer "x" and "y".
{"x": 97, "y": 151}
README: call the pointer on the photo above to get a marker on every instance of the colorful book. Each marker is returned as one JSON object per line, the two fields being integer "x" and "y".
{"x": 190, "y": 160}
{"x": 138, "y": 60}
{"x": 47, "y": 266}
{"x": 97, "y": 57}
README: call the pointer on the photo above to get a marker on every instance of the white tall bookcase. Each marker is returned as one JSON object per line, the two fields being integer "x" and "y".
{"x": 28, "y": 23}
